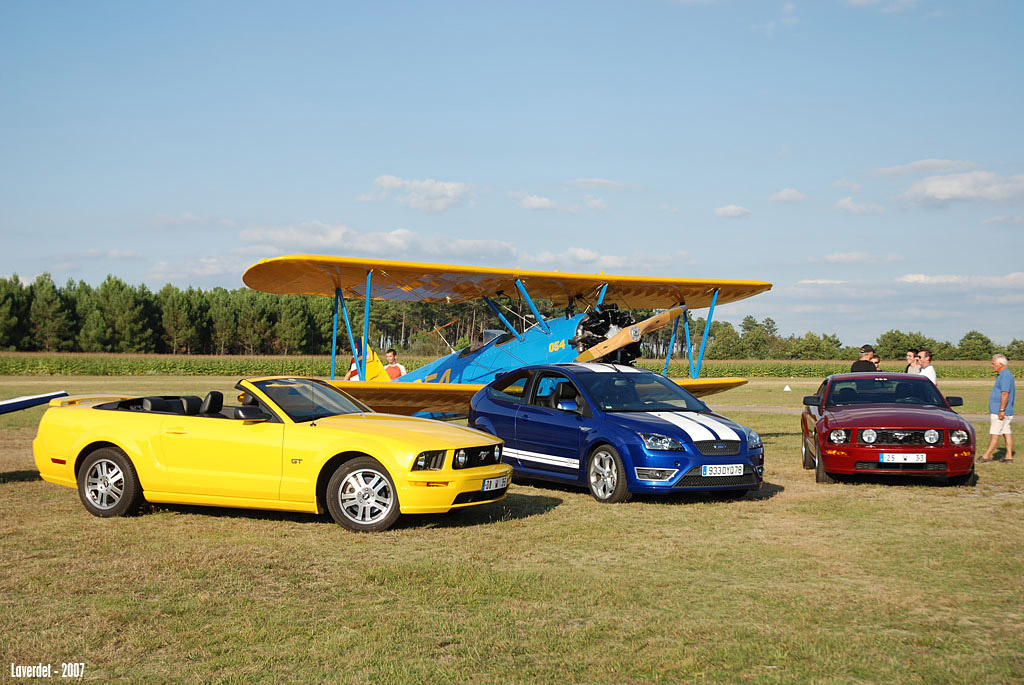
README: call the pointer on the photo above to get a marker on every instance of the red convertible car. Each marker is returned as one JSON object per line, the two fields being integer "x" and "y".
{"x": 885, "y": 424}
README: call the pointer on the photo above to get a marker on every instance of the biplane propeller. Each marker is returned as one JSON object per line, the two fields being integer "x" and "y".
{"x": 604, "y": 331}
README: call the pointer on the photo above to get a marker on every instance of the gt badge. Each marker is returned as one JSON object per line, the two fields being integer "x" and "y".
{"x": 296, "y": 461}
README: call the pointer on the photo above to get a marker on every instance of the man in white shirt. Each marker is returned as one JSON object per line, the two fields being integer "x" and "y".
{"x": 393, "y": 368}
{"x": 924, "y": 358}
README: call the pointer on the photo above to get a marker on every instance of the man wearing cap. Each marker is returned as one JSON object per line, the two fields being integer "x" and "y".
{"x": 1000, "y": 407}
{"x": 864, "y": 363}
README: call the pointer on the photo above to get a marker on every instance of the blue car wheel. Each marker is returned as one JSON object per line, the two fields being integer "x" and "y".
{"x": 606, "y": 476}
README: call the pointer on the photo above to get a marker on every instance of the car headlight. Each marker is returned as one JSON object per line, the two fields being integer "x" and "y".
{"x": 959, "y": 437}
{"x": 497, "y": 453}
{"x": 461, "y": 458}
{"x": 753, "y": 439}
{"x": 931, "y": 436}
{"x": 428, "y": 461}
{"x": 869, "y": 435}
{"x": 657, "y": 441}
{"x": 837, "y": 435}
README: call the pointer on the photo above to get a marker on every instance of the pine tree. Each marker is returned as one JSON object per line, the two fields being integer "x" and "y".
{"x": 48, "y": 320}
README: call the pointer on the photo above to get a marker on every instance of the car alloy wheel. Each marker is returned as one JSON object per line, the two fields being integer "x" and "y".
{"x": 606, "y": 476}
{"x": 362, "y": 497}
{"x": 107, "y": 483}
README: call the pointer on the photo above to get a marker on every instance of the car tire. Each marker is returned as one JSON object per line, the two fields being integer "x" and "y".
{"x": 606, "y": 476}
{"x": 820, "y": 475}
{"x": 806, "y": 455}
{"x": 108, "y": 485}
{"x": 969, "y": 479}
{"x": 362, "y": 497}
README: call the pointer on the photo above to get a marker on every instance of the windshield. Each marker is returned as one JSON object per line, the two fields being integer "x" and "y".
{"x": 884, "y": 391}
{"x": 303, "y": 399}
{"x": 638, "y": 392}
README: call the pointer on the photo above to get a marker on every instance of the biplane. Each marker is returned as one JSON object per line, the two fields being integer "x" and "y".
{"x": 597, "y": 326}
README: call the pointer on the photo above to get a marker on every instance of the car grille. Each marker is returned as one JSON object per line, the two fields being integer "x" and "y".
{"x": 902, "y": 437}
{"x": 478, "y": 456}
{"x": 693, "y": 479}
{"x": 879, "y": 466}
{"x": 478, "y": 496}
{"x": 707, "y": 447}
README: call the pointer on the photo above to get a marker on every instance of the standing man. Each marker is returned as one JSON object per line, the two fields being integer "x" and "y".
{"x": 924, "y": 358}
{"x": 393, "y": 368}
{"x": 912, "y": 365}
{"x": 1000, "y": 409}
{"x": 864, "y": 363}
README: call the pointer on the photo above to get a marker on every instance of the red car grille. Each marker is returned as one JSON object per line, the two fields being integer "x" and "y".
{"x": 900, "y": 437}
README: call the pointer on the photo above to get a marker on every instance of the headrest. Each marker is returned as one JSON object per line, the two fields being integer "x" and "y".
{"x": 250, "y": 401}
{"x": 190, "y": 404}
{"x": 566, "y": 391}
{"x": 155, "y": 404}
{"x": 213, "y": 403}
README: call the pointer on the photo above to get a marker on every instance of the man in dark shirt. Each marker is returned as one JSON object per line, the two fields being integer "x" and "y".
{"x": 864, "y": 363}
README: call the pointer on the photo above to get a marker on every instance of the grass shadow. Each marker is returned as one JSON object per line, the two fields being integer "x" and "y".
{"x": 515, "y": 506}
{"x": 19, "y": 476}
{"x": 767, "y": 491}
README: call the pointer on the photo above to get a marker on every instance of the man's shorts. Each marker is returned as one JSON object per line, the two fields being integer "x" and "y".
{"x": 1000, "y": 427}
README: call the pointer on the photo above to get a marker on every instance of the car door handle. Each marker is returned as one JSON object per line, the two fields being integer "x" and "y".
{"x": 175, "y": 431}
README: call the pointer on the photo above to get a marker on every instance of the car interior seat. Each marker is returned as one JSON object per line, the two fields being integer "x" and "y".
{"x": 565, "y": 392}
{"x": 190, "y": 404}
{"x": 213, "y": 403}
{"x": 907, "y": 391}
{"x": 846, "y": 396}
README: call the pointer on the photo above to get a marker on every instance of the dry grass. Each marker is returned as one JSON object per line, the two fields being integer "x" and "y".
{"x": 870, "y": 582}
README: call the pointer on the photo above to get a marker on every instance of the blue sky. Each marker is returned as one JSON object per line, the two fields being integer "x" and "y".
{"x": 865, "y": 156}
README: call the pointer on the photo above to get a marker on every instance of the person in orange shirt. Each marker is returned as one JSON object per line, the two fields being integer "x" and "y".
{"x": 393, "y": 368}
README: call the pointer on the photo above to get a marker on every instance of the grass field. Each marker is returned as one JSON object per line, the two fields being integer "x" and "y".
{"x": 868, "y": 582}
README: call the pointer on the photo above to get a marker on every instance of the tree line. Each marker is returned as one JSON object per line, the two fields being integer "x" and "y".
{"x": 119, "y": 317}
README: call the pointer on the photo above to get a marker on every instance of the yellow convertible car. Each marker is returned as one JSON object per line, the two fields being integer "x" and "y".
{"x": 294, "y": 444}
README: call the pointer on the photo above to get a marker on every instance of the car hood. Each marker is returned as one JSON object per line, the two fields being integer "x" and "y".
{"x": 893, "y": 416}
{"x": 687, "y": 425}
{"x": 423, "y": 433}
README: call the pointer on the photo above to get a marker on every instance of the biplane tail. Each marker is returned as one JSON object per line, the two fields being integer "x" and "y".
{"x": 374, "y": 367}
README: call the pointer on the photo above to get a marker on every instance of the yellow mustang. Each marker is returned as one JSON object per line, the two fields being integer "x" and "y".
{"x": 294, "y": 444}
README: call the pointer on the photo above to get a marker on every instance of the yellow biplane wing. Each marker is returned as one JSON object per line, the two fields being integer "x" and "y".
{"x": 422, "y": 282}
{"x": 453, "y": 398}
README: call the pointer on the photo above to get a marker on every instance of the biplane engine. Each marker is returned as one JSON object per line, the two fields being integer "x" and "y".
{"x": 598, "y": 327}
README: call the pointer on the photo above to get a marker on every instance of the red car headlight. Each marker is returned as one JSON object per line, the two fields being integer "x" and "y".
{"x": 959, "y": 437}
{"x": 838, "y": 435}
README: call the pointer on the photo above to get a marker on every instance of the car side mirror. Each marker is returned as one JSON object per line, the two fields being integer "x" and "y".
{"x": 954, "y": 401}
{"x": 569, "y": 406}
{"x": 812, "y": 401}
{"x": 250, "y": 413}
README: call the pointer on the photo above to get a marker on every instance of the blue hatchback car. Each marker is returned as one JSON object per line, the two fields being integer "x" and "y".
{"x": 618, "y": 430}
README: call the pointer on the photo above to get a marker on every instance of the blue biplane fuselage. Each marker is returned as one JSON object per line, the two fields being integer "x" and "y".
{"x": 502, "y": 353}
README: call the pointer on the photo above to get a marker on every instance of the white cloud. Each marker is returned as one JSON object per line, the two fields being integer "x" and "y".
{"x": 585, "y": 258}
{"x": 860, "y": 258}
{"x": 926, "y": 166}
{"x": 427, "y": 195}
{"x": 537, "y": 202}
{"x": 971, "y": 186}
{"x": 595, "y": 203}
{"x": 788, "y": 195}
{"x": 190, "y": 220}
{"x": 1011, "y": 280}
{"x": 851, "y": 206}
{"x": 371, "y": 197}
{"x": 116, "y": 255}
{"x": 786, "y": 18}
{"x": 885, "y": 6}
{"x": 732, "y": 211}
{"x": 201, "y": 267}
{"x": 669, "y": 208}
{"x": 846, "y": 184}
{"x": 820, "y": 281}
{"x": 1009, "y": 220}
{"x": 600, "y": 184}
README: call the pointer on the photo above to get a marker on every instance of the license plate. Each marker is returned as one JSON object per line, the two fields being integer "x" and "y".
{"x": 902, "y": 458}
{"x": 495, "y": 483}
{"x": 721, "y": 470}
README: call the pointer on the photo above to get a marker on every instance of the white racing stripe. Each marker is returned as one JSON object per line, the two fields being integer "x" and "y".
{"x": 541, "y": 458}
{"x": 695, "y": 430}
{"x": 723, "y": 430}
